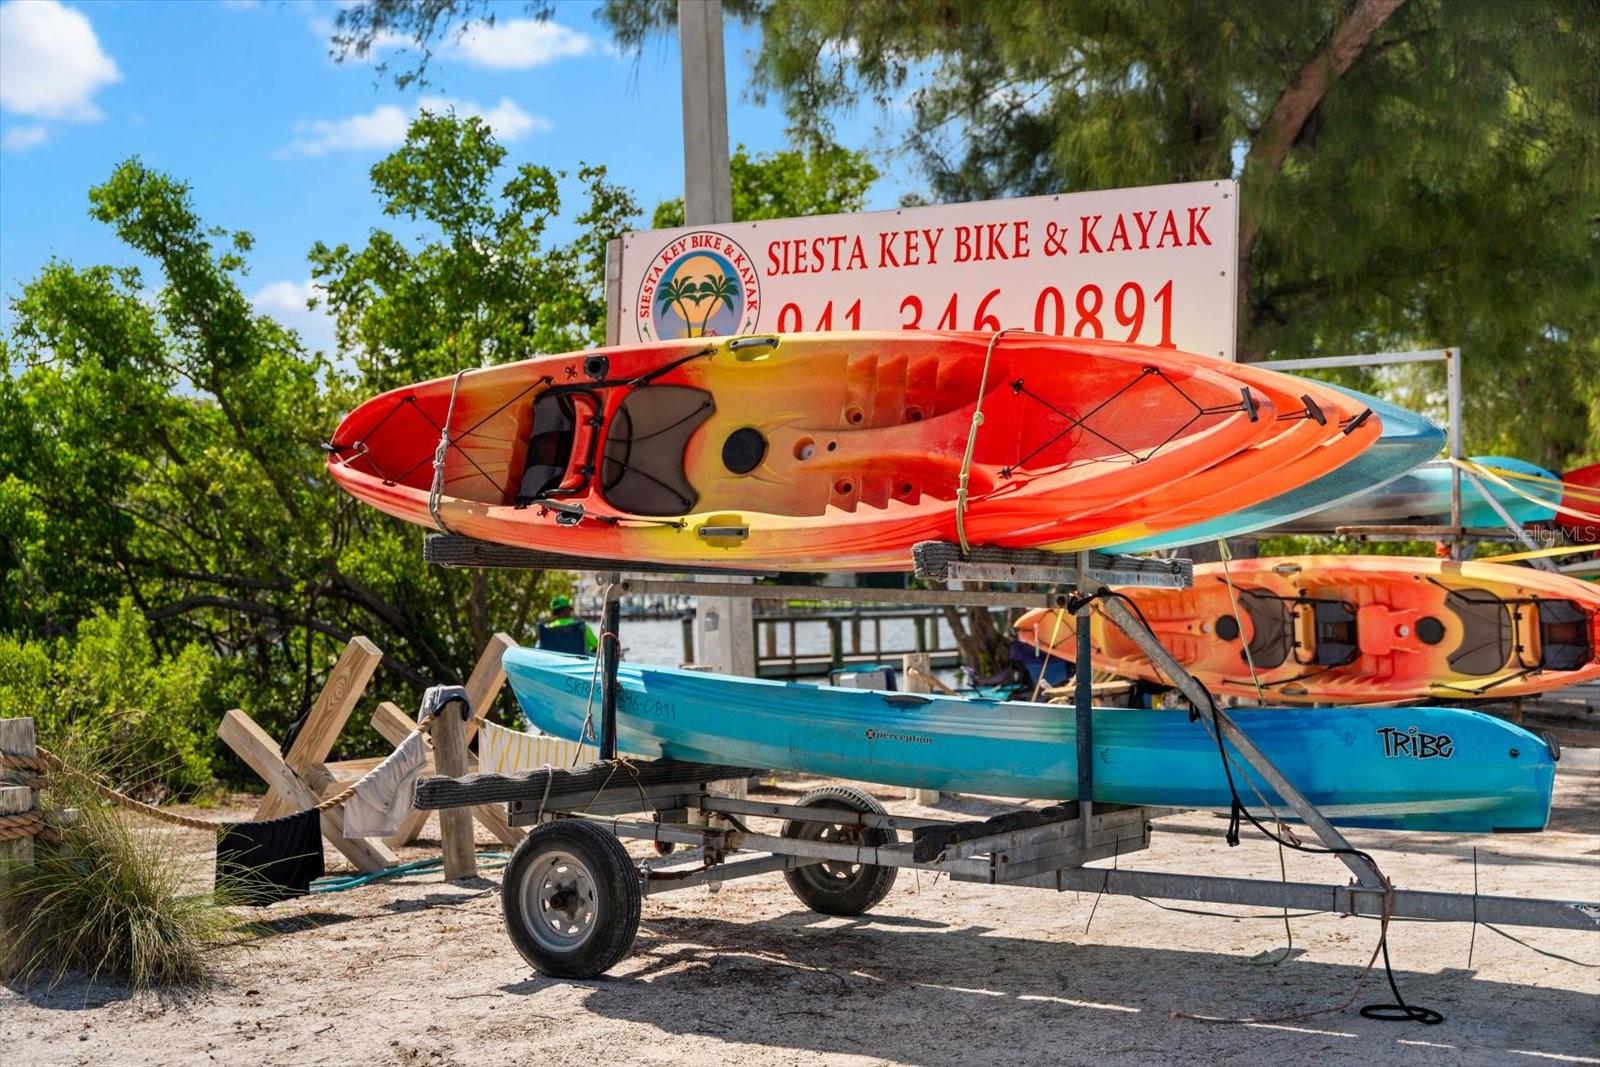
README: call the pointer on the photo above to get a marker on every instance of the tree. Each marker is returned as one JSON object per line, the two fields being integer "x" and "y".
{"x": 827, "y": 180}
{"x": 1413, "y": 174}
{"x": 163, "y": 441}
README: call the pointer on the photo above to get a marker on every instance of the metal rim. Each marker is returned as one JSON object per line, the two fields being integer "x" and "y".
{"x": 559, "y": 901}
{"x": 831, "y": 874}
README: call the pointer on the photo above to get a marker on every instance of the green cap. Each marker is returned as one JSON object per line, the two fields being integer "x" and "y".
{"x": 558, "y": 603}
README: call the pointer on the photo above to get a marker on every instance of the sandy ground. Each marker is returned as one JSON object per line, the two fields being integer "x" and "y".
{"x": 420, "y": 971}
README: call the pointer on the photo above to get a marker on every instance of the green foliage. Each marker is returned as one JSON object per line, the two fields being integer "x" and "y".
{"x": 828, "y": 180}
{"x": 162, "y": 444}
{"x": 106, "y": 901}
{"x": 162, "y": 440}
{"x": 484, "y": 287}
{"x": 1442, "y": 190}
{"x": 109, "y": 689}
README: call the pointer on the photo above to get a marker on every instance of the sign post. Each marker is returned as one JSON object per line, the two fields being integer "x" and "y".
{"x": 726, "y": 643}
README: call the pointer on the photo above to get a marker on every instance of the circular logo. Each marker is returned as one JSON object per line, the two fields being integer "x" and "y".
{"x": 702, "y": 284}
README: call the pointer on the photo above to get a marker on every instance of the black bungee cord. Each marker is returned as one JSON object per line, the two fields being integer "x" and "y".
{"x": 1399, "y": 1011}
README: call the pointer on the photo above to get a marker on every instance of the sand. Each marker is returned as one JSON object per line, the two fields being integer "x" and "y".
{"x": 420, "y": 971}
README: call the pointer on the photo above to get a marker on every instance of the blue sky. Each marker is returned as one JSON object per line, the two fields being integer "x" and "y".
{"x": 241, "y": 100}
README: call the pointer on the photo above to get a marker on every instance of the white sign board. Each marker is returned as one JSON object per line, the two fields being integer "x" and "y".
{"x": 1154, "y": 265}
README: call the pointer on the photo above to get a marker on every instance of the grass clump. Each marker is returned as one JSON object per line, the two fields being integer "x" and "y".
{"x": 108, "y": 901}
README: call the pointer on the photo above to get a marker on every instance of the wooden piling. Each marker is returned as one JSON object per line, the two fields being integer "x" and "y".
{"x": 455, "y": 824}
{"x": 17, "y": 738}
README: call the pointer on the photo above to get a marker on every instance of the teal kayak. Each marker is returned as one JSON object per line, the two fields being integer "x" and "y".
{"x": 1435, "y": 769}
{"x": 1422, "y": 498}
{"x": 1408, "y": 440}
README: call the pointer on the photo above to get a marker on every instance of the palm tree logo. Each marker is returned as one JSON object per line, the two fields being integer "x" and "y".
{"x": 696, "y": 302}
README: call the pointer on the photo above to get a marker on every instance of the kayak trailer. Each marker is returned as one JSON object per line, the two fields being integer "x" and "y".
{"x": 572, "y": 894}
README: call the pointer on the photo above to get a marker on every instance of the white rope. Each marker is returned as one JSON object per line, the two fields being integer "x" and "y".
{"x": 1227, "y": 579}
{"x": 436, "y": 490}
{"x": 972, "y": 441}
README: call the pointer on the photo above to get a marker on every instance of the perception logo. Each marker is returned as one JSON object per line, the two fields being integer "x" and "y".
{"x": 703, "y": 284}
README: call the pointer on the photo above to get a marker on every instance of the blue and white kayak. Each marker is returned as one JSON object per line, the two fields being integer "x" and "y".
{"x": 1408, "y": 440}
{"x": 1435, "y": 769}
{"x": 1422, "y": 497}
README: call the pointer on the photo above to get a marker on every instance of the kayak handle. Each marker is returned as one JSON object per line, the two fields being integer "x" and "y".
{"x": 747, "y": 349}
{"x": 906, "y": 700}
{"x": 723, "y": 531}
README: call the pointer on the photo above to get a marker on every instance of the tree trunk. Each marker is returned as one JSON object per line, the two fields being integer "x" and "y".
{"x": 1295, "y": 107}
{"x": 478, "y": 609}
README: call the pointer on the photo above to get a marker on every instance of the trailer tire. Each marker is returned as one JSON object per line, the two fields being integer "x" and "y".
{"x": 571, "y": 898}
{"x": 841, "y": 888}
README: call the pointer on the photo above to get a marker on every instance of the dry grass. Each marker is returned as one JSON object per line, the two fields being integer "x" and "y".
{"x": 106, "y": 901}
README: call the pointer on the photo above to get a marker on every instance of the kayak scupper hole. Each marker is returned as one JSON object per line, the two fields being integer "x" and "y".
{"x": 913, "y": 414}
{"x": 804, "y": 448}
{"x": 854, "y": 415}
{"x": 1228, "y": 628}
{"x": 843, "y": 486}
{"x": 832, "y": 445}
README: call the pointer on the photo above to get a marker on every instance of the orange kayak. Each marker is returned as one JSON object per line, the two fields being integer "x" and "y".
{"x": 826, "y": 451}
{"x": 1358, "y": 630}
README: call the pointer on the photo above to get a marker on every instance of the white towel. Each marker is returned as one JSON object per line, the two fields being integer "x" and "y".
{"x": 503, "y": 751}
{"x": 382, "y": 800}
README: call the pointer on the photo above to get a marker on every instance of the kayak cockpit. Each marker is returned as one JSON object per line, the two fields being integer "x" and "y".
{"x": 638, "y": 452}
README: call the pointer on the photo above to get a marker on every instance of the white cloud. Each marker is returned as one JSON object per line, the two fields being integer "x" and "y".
{"x": 286, "y": 302}
{"x": 520, "y": 44}
{"x": 22, "y": 138}
{"x": 385, "y": 126}
{"x": 51, "y": 63}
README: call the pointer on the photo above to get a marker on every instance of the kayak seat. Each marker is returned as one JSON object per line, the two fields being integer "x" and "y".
{"x": 641, "y": 470}
{"x": 1486, "y": 638}
{"x": 1334, "y": 626}
{"x": 1563, "y": 636}
{"x": 555, "y": 421}
{"x": 1272, "y": 628}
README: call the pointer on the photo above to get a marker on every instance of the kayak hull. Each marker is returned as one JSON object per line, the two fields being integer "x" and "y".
{"x": 1434, "y": 769}
{"x": 833, "y": 451}
{"x": 1422, "y": 498}
{"x": 1407, "y": 441}
{"x": 1358, "y": 630}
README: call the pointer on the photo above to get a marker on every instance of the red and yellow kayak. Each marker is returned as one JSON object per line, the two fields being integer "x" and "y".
{"x": 837, "y": 451}
{"x": 1358, "y": 630}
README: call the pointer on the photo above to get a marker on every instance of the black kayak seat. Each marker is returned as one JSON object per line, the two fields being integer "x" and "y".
{"x": 1563, "y": 636}
{"x": 555, "y": 420}
{"x": 1272, "y": 626}
{"x": 1487, "y": 641}
{"x": 1334, "y": 626}
{"x": 641, "y": 471}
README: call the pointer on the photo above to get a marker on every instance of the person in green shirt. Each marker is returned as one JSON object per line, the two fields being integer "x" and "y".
{"x": 565, "y": 632}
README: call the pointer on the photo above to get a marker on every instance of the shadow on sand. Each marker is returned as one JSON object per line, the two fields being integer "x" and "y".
{"x": 884, "y": 987}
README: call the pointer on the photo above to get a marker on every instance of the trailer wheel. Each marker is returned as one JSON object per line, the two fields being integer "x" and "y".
{"x": 571, "y": 898}
{"x": 835, "y": 888}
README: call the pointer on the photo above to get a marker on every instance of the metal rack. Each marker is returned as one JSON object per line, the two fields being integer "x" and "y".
{"x": 846, "y": 834}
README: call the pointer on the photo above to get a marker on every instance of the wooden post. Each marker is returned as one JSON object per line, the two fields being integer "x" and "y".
{"x": 16, "y": 739}
{"x": 322, "y": 726}
{"x": 914, "y": 683}
{"x": 455, "y": 824}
